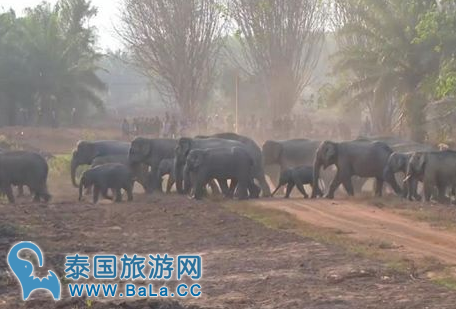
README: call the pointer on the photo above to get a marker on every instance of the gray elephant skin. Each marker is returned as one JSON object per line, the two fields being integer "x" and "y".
{"x": 185, "y": 145}
{"x": 437, "y": 170}
{"x": 397, "y": 163}
{"x": 87, "y": 151}
{"x": 223, "y": 164}
{"x": 24, "y": 168}
{"x": 353, "y": 158}
{"x": 140, "y": 171}
{"x": 292, "y": 153}
{"x": 151, "y": 152}
{"x": 298, "y": 176}
{"x": 166, "y": 167}
{"x": 255, "y": 151}
{"x": 114, "y": 176}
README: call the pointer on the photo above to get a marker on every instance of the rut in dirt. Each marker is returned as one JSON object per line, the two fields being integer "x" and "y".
{"x": 365, "y": 222}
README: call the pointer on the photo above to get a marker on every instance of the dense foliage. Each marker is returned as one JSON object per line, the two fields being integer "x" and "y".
{"x": 48, "y": 64}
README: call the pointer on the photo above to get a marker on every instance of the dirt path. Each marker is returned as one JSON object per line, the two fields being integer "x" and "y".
{"x": 367, "y": 222}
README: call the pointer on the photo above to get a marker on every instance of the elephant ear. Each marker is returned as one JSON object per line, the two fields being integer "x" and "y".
{"x": 200, "y": 158}
{"x": 145, "y": 148}
{"x": 422, "y": 162}
{"x": 330, "y": 151}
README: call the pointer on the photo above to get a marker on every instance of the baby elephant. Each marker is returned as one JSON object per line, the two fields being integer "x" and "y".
{"x": 298, "y": 176}
{"x": 166, "y": 167}
{"x": 114, "y": 176}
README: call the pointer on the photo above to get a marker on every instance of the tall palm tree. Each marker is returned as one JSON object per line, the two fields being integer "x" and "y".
{"x": 389, "y": 65}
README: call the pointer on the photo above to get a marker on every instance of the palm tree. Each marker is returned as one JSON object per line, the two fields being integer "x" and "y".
{"x": 388, "y": 66}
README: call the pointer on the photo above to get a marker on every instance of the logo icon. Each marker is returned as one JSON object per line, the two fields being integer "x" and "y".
{"x": 24, "y": 272}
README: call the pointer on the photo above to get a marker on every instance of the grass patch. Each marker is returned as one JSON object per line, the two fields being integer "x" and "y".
{"x": 60, "y": 165}
{"x": 372, "y": 249}
{"x": 449, "y": 282}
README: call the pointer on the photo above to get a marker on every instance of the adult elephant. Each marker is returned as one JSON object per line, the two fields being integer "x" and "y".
{"x": 353, "y": 158}
{"x": 87, "y": 151}
{"x": 185, "y": 145}
{"x": 397, "y": 165}
{"x": 254, "y": 151}
{"x": 437, "y": 169}
{"x": 151, "y": 151}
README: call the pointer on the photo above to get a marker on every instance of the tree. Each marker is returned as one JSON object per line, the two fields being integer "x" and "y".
{"x": 176, "y": 44}
{"x": 281, "y": 41}
{"x": 62, "y": 57}
{"x": 390, "y": 65}
{"x": 48, "y": 61}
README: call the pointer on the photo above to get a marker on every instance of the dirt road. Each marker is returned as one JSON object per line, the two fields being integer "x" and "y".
{"x": 365, "y": 222}
{"x": 246, "y": 265}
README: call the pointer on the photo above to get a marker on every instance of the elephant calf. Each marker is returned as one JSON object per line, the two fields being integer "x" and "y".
{"x": 114, "y": 176}
{"x": 298, "y": 176}
{"x": 166, "y": 167}
{"x": 222, "y": 164}
{"x": 24, "y": 168}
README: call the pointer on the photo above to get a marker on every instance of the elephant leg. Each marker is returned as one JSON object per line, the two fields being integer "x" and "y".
{"x": 224, "y": 187}
{"x": 290, "y": 187}
{"x": 297, "y": 181}
{"x": 199, "y": 189}
{"x": 9, "y": 194}
{"x": 118, "y": 198}
{"x": 169, "y": 184}
{"x": 214, "y": 187}
{"x": 263, "y": 184}
{"x": 428, "y": 188}
{"x": 335, "y": 183}
{"x": 96, "y": 193}
{"x": 254, "y": 190}
{"x": 413, "y": 190}
{"x": 129, "y": 189}
{"x": 242, "y": 192}
{"x": 233, "y": 186}
{"x": 378, "y": 186}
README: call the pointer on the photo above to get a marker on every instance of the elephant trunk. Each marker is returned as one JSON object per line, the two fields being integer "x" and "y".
{"x": 187, "y": 180}
{"x": 178, "y": 174}
{"x": 316, "y": 191}
{"x": 74, "y": 166}
{"x": 13, "y": 254}
{"x": 81, "y": 187}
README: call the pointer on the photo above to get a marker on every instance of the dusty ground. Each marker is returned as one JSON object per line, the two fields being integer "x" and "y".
{"x": 363, "y": 221}
{"x": 248, "y": 263}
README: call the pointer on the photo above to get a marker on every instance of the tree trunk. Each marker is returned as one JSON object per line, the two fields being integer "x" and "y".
{"x": 414, "y": 104}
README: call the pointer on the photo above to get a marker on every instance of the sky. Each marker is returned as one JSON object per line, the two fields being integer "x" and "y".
{"x": 105, "y": 21}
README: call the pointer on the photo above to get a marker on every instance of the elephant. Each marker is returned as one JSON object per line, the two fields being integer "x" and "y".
{"x": 151, "y": 152}
{"x": 233, "y": 163}
{"x": 114, "y": 176}
{"x": 298, "y": 176}
{"x": 185, "y": 145}
{"x": 140, "y": 171}
{"x": 87, "y": 151}
{"x": 255, "y": 152}
{"x": 353, "y": 158}
{"x": 437, "y": 169}
{"x": 166, "y": 167}
{"x": 397, "y": 163}
{"x": 24, "y": 168}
